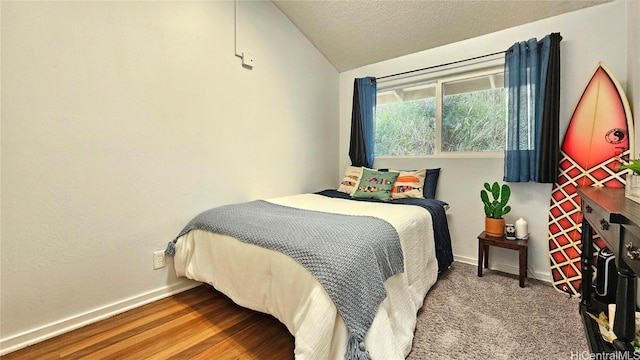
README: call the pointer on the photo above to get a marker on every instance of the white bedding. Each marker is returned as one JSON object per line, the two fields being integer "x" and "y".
{"x": 273, "y": 283}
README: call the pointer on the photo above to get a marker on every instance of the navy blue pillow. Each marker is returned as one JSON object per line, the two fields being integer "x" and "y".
{"x": 430, "y": 182}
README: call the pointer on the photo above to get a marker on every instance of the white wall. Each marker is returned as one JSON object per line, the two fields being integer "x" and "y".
{"x": 590, "y": 35}
{"x": 120, "y": 122}
{"x": 633, "y": 65}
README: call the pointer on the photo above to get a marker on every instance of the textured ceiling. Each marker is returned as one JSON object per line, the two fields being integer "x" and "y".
{"x": 354, "y": 33}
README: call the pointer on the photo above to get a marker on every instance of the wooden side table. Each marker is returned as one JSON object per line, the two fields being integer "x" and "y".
{"x": 484, "y": 241}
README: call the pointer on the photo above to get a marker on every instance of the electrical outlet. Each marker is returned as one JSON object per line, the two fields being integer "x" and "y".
{"x": 159, "y": 259}
{"x": 247, "y": 59}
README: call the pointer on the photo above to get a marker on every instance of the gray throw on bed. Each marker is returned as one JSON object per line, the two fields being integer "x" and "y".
{"x": 351, "y": 256}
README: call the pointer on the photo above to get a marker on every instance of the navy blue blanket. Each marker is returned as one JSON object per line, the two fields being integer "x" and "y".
{"x": 444, "y": 254}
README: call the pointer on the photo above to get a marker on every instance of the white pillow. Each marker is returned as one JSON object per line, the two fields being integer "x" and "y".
{"x": 349, "y": 183}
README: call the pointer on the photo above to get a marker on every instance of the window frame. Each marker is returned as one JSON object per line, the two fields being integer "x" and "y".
{"x": 439, "y": 78}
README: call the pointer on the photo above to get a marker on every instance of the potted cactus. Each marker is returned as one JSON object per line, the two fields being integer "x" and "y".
{"x": 496, "y": 207}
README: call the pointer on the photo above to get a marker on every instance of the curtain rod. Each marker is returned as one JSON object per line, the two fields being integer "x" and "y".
{"x": 436, "y": 66}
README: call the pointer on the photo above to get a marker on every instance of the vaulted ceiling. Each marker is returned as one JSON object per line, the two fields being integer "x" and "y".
{"x": 354, "y": 33}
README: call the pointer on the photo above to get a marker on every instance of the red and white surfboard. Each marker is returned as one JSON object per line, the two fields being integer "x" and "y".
{"x": 599, "y": 139}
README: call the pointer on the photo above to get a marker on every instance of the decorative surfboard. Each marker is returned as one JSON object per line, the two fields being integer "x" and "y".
{"x": 598, "y": 140}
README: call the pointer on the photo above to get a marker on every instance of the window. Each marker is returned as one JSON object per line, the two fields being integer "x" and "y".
{"x": 453, "y": 114}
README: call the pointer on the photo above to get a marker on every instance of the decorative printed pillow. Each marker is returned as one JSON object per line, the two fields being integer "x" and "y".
{"x": 409, "y": 184}
{"x": 351, "y": 179}
{"x": 375, "y": 184}
{"x": 430, "y": 182}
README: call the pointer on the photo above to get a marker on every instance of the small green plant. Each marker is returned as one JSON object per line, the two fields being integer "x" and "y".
{"x": 497, "y": 207}
{"x": 634, "y": 165}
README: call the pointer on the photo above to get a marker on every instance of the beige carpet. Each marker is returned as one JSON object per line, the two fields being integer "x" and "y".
{"x": 467, "y": 317}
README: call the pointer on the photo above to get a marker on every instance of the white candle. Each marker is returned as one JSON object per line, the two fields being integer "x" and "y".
{"x": 522, "y": 230}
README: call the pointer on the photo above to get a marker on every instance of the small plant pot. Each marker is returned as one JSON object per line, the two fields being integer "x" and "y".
{"x": 632, "y": 188}
{"x": 494, "y": 227}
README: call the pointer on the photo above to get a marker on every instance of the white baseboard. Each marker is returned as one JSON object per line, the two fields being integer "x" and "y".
{"x": 545, "y": 277}
{"x": 45, "y": 332}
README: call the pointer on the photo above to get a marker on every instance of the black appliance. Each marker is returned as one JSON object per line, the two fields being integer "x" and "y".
{"x": 606, "y": 277}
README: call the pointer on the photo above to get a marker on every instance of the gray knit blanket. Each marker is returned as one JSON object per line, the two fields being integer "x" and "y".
{"x": 351, "y": 256}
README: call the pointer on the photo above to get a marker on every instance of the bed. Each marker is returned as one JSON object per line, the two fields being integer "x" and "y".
{"x": 269, "y": 281}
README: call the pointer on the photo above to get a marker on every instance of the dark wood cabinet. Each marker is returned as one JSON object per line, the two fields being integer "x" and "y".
{"x": 616, "y": 220}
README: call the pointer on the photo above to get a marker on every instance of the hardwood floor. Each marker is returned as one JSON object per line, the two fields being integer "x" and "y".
{"x": 200, "y": 323}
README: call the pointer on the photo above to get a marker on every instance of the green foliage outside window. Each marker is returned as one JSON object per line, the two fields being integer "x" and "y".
{"x": 471, "y": 122}
{"x": 406, "y": 128}
{"x": 474, "y": 122}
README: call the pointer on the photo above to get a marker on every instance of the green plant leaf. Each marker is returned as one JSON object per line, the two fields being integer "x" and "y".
{"x": 484, "y": 196}
{"x": 506, "y": 210}
{"x": 495, "y": 190}
{"x": 487, "y": 211}
{"x": 506, "y": 194}
{"x": 634, "y": 165}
